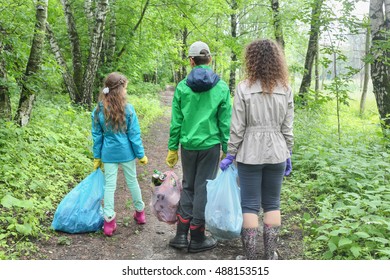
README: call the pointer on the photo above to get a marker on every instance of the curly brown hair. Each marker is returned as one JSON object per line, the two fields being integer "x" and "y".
{"x": 265, "y": 62}
{"x": 114, "y": 102}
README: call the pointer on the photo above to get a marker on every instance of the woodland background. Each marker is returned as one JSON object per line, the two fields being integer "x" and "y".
{"x": 54, "y": 55}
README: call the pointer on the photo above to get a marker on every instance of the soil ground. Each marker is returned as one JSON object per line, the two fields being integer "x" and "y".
{"x": 150, "y": 241}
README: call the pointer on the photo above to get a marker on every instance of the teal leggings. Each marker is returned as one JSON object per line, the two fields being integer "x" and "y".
{"x": 110, "y": 174}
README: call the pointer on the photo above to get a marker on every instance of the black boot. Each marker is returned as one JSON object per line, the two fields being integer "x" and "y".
{"x": 270, "y": 242}
{"x": 180, "y": 240}
{"x": 199, "y": 241}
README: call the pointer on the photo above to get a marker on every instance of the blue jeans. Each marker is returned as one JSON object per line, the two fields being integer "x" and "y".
{"x": 110, "y": 174}
{"x": 260, "y": 186}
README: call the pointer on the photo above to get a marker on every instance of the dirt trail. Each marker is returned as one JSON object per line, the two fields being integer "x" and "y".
{"x": 149, "y": 241}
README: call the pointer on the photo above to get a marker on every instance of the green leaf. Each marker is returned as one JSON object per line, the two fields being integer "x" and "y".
{"x": 379, "y": 239}
{"x": 306, "y": 216}
{"x": 25, "y": 229}
{"x": 9, "y": 201}
{"x": 344, "y": 241}
{"x": 385, "y": 251}
{"x": 322, "y": 237}
{"x": 362, "y": 234}
{"x": 332, "y": 246}
{"x": 355, "y": 251}
{"x": 328, "y": 255}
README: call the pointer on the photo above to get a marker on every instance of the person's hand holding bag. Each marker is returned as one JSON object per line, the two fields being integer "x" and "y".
{"x": 172, "y": 158}
{"x": 226, "y": 162}
{"x": 143, "y": 161}
{"x": 97, "y": 162}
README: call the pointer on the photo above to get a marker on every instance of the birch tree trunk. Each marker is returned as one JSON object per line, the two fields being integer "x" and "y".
{"x": 110, "y": 53}
{"x": 27, "y": 97}
{"x": 233, "y": 55}
{"x": 5, "y": 102}
{"x": 380, "y": 69}
{"x": 317, "y": 71}
{"x": 88, "y": 10}
{"x": 311, "y": 49}
{"x": 183, "y": 69}
{"x": 77, "y": 59}
{"x": 66, "y": 75}
{"x": 94, "y": 53}
{"x": 278, "y": 29}
{"x": 366, "y": 73}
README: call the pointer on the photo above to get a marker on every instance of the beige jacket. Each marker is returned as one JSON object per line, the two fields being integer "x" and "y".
{"x": 261, "y": 129}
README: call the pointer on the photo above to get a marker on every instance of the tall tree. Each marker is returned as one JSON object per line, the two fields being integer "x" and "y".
{"x": 380, "y": 69}
{"x": 315, "y": 25}
{"x": 75, "y": 44}
{"x": 111, "y": 44}
{"x": 278, "y": 29}
{"x": 27, "y": 96}
{"x": 366, "y": 72}
{"x": 233, "y": 56}
{"x": 5, "y": 101}
{"x": 94, "y": 52}
{"x": 66, "y": 74}
{"x": 80, "y": 83}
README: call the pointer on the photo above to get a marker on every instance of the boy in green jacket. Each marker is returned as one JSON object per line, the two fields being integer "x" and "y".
{"x": 200, "y": 123}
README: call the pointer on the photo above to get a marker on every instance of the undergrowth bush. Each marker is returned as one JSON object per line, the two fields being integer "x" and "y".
{"x": 42, "y": 162}
{"x": 341, "y": 187}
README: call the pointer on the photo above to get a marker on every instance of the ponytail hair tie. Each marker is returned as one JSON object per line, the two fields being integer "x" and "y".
{"x": 106, "y": 90}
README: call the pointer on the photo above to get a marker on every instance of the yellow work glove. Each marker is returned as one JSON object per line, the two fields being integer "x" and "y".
{"x": 97, "y": 163}
{"x": 172, "y": 158}
{"x": 143, "y": 161}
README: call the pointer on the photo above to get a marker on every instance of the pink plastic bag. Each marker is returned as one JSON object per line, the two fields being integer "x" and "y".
{"x": 165, "y": 198}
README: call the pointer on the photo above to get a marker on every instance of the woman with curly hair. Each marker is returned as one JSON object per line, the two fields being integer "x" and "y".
{"x": 261, "y": 141}
{"x": 117, "y": 141}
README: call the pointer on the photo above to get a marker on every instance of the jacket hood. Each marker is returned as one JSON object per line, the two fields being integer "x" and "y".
{"x": 202, "y": 78}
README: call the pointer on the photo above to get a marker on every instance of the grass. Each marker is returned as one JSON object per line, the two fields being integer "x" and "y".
{"x": 42, "y": 162}
{"x": 340, "y": 186}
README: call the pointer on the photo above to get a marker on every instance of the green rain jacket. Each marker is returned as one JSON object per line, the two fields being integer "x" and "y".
{"x": 201, "y": 111}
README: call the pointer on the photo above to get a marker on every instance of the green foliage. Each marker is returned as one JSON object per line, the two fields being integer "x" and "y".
{"x": 147, "y": 110}
{"x": 40, "y": 163}
{"x": 343, "y": 186}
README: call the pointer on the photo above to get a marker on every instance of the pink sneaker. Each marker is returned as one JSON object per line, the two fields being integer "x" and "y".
{"x": 109, "y": 226}
{"x": 140, "y": 217}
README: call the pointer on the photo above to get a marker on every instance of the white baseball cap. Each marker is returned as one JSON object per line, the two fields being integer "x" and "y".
{"x": 196, "y": 48}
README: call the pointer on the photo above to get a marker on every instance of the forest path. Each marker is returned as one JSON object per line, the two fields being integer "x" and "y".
{"x": 150, "y": 241}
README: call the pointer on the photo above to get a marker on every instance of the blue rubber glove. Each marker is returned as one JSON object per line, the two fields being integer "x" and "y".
{"x": 288, "y": 166}
{"x": 224, "y": 164}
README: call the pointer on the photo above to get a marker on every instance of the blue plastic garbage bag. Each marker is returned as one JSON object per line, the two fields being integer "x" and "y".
{"x": 223, "y": 212}
{"x": 81, "y": 209}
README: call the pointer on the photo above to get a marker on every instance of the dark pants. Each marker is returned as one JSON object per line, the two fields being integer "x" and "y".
{"x": 260, "y": 186}
{"x": 198, "y": 167}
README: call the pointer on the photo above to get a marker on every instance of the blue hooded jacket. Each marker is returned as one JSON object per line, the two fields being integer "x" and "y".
{"x": 115, "y": 147}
